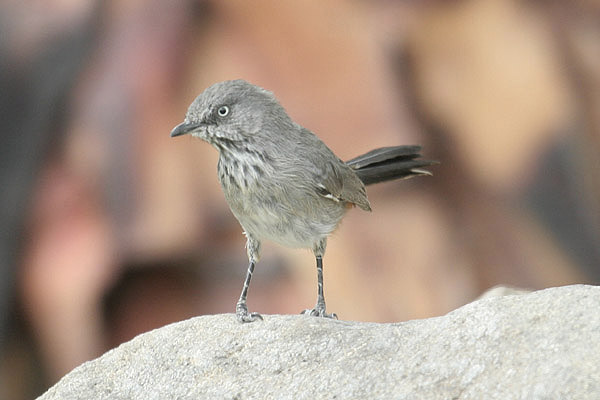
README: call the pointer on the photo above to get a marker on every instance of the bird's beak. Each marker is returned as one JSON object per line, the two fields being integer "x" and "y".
{"x": 184, "y": 128}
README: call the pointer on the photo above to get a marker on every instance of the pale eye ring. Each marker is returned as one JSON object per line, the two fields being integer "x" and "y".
{"x": 223, "y": 111}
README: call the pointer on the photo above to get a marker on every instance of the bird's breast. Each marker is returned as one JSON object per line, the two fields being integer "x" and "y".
{"x": 240, "y": 174}
{"x": 272, "y": 207}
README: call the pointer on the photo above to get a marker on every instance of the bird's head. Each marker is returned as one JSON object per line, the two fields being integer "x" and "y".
{"x": 231, "y": 112}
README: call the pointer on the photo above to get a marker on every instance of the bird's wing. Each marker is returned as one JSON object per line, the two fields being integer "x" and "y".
{"x": 332, "y": 178}
{"x": 340, "y": 183}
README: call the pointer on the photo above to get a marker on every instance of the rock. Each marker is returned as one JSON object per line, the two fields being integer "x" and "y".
{"x": 498, "y": 291}
{"x": 541, "y": 345}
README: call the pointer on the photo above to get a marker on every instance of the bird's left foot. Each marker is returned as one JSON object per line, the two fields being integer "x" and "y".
{"x": 243, "y": 315}
{"x": 319, "y": 311}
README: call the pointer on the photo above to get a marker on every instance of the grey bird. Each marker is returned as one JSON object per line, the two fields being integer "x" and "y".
{"x": 280, "y": 180}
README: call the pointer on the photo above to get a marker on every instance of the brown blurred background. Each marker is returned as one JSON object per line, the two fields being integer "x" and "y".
{"x": 111, "y": 228}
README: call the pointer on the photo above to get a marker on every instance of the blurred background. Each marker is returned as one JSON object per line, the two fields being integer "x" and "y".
{"x": 110, "y": 228}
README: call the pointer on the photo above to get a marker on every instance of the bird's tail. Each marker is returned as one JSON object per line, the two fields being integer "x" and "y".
{"x": 388, "y": 163}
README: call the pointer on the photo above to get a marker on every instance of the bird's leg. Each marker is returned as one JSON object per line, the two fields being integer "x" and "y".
{"x": 319, "y": 310}
{"x": 241, "y": 309}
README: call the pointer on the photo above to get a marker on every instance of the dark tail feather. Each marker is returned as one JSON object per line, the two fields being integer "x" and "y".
{"x": 387, "y": 163}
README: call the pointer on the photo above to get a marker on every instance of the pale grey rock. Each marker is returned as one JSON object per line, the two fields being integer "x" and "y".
{"x": 541, "y": 345}
{"x": 501, "y": 290}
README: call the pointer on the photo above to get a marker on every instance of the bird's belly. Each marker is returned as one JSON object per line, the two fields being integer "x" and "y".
{"x": 291, "y": 229}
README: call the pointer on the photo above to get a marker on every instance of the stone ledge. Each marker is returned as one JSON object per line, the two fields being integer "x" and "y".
{"x": 541, "y": 345}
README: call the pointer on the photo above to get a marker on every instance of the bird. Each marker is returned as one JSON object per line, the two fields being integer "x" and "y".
{"x": 282, "y": 182}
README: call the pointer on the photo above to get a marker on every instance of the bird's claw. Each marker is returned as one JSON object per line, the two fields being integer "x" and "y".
{"x": 243, "y": 315}
{"x": 319, "y": 311}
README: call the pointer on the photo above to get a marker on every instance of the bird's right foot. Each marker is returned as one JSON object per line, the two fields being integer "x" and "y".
{"x": 243, "y": 315}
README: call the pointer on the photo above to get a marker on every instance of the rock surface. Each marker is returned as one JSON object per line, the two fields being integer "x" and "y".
{"x": 541, "y": 345}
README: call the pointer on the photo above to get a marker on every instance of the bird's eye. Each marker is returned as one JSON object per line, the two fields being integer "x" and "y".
{"x": 223, "y": 111}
